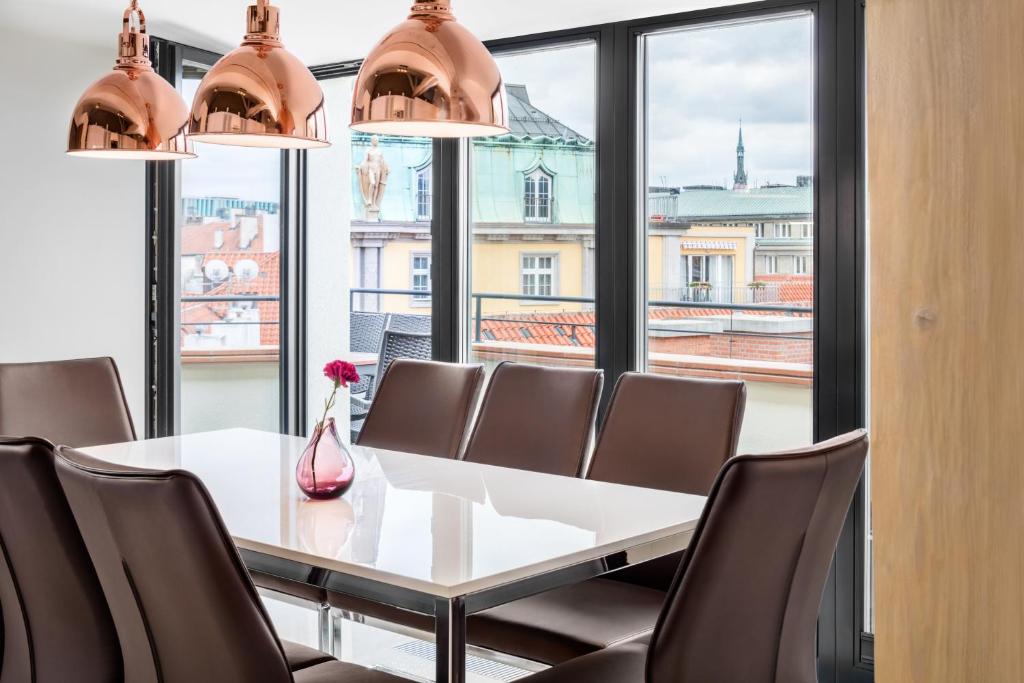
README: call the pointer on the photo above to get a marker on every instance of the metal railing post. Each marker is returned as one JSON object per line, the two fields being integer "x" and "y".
{"x": 477, "y": 324}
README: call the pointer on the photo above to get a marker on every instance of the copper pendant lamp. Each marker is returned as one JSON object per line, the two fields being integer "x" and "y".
{"x": 430, "y": 76}
{"x": 131, "y": 113}
{"x": 260, "y": 95}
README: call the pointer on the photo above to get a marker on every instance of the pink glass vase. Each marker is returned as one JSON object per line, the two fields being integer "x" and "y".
{"x": 325, "y": 469}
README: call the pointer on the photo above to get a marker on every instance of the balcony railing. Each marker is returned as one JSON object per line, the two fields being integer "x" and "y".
{"x": 587, "y": 303}
{"x": 731, "y": 309}
{"x": 239, "y": 338}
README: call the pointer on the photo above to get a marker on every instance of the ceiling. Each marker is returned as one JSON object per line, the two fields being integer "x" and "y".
{"x": 318, "y": 31}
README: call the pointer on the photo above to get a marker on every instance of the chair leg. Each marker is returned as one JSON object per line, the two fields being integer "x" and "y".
{"x": 325, "y": 627}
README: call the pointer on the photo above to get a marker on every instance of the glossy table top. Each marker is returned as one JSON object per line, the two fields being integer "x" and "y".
{"x": 443, "y": 527}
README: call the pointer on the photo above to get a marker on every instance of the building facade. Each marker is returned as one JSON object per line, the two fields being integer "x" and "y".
{"x": 532, "y": 224}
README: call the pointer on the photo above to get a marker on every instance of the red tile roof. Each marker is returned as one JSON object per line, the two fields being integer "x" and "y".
{"x": 793, "y": 289}
{"x": 267, "y": 283}
{"x": 568, "y": 328}
{"x": 198, "y": 238}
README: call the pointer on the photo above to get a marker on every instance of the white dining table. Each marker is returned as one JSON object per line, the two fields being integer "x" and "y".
{"x": 443, "y": 538}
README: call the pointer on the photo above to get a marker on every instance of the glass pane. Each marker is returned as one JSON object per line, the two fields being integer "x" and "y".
{"x": 369, "y": 255}
{"x": 230, "y": 235}
{"x": 728, "y": 116}
{"x": 532, "y": 260}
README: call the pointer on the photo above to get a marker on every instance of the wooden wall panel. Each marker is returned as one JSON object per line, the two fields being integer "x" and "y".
{"x": 946, "y": 192}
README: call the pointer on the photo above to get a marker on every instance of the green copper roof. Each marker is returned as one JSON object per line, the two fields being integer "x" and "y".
{"x": 500, "y": 164}
{"x": 756, "y": 202}
{"x": 528, "y": 121}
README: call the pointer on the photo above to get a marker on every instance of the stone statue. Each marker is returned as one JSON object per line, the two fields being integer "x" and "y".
{"x": 373, "y": 179}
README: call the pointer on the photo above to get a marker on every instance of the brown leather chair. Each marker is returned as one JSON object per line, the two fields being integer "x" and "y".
{"x": 423, "y": 407}
{"x": 537, "y": 418}
{"x": 75, "y": 402}
{"x": 147, "y": 531}
{"x": 81, "y": 403}
{"x": 659, "y": 432}
{"x": 744, "y": 605}
{"x": 56, "y": 625}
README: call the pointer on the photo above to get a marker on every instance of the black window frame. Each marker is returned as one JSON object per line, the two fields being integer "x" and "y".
{"x": 845, "y": 651}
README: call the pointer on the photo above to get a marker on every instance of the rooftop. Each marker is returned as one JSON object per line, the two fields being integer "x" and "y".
{"x": 527, "y": 121}
{"x": 755, "y": 202}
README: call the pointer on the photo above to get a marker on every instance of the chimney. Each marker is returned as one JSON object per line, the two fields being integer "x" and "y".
{"x": 249, "y": 228}
{"x": 218, "y": 238}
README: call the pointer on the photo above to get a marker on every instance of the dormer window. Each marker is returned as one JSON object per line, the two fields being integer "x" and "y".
{"x": 537, "y": 197}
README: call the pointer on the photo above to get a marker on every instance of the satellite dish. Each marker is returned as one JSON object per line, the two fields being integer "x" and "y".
{"x": 247, "y": 269}
{"x": 216, "y": 270}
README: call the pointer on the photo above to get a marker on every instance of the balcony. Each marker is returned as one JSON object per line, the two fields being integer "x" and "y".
{"x": 230, "y": 366}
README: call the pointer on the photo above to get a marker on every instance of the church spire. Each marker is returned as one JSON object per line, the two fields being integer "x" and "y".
{"x": 739, "y": 180}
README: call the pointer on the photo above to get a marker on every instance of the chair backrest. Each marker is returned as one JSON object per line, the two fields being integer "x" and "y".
{"x": 423, "y": 407}
{"x": 75, "y": 402}
{"x": 401, "y": 345}
{"x": 56, "y": 625}
{"x": 366, "y": 330}
{"x": 537, "y": 418}
{"x": 184, "y": 606}
{"x": 668, "y": 433}
{"x": 405, "y": 322}
{"x": 744, "y": 605}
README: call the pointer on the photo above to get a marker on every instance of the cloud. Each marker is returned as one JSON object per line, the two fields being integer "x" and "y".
{"x": 700, "y": 82}
{"x": 561, "y": 82}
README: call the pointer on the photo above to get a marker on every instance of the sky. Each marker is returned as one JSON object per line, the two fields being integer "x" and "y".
{"x": 225, "y": 171}
{"x": 700, "y": 83}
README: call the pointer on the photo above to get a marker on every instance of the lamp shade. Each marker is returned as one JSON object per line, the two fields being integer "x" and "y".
{"x": 430, "y": 76}
{"x": 260, "y": 95}
{"x": 132, "y": 112}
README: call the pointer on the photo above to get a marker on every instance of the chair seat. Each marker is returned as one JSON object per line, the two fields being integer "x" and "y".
{"x": 301, "y": 656}
{"x": 568, "y": 622}
{"x": 623, "y": 663}
{"x": 343, "y": 672}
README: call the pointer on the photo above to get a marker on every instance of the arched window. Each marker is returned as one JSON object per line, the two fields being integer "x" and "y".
{"x": 537, "y": 197}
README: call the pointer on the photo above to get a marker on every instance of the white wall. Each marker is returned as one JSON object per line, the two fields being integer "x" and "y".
{"x": 327, "y": 260}
{"x": 72, "y": 231}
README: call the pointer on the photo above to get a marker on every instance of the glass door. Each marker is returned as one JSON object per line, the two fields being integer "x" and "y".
{"x": 230, "y": 225}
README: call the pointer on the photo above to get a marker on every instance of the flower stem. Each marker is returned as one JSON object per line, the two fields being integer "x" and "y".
{"x": 318, "y": 430}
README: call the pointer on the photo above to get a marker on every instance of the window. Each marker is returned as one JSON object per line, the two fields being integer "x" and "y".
{"x": 424, "y": 199}
{"x": 421, "y": 278}
{"x": 368, "y": 251}
{"x": 708, "y": 278}
{"x": 519, "y": 246}
{"x": 230, "y": 285}
{"x": 537, "y": 273}
{"x": 801, "y": 265}
{"x": 690, "y": 119}
{"x": 537, "y": 197}
{"x": 686, "y": 134}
